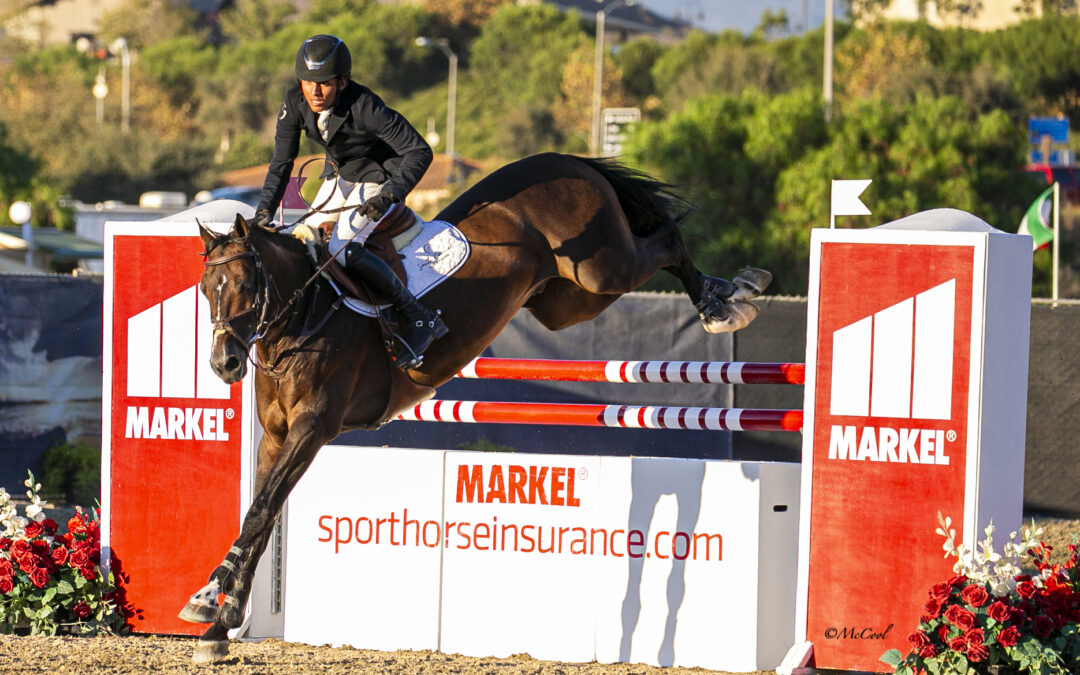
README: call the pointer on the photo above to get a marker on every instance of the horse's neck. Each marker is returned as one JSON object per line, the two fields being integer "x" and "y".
{"x": 286, "y": 261}
{"x": 288, "y": 269}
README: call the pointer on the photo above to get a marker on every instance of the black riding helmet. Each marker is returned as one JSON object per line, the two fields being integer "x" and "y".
{"x": 322, "y": 58}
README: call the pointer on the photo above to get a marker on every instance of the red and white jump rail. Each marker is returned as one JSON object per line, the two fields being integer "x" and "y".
{"x": 606, "y": 415}
{"x": 690, "y": 372}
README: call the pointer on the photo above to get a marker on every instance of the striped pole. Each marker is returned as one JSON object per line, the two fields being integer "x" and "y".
{"x": 691, "y": 372}
{"x": 604, "y": 415}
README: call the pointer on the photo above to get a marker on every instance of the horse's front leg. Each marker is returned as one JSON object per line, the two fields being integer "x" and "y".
{"x": 307, "y": 433}
{"x": 203, "y": 606}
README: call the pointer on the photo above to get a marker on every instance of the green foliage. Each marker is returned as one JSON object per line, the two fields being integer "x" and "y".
{"x": 146, "y": 22}
{"x": 178, "y": 64}
{"x": 322, "y": 11}
{"x": 1038, "y": 58}
{"x": 761, "y": 180}
{"x": 17, "y": 170}
{"x": 519, "y": 54}
{"x": 514, "y": 81}
{"x": 636, "y": 59}
{"x": 246, "y": 149}
{"x": 255, "y": 19}
{"x": 72, "y": 471}
{"x": 123, "y": 166}
{"x": 934, "y": 116}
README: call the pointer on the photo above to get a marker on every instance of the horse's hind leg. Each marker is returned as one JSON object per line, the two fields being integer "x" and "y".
{"x": 724, "y": 306}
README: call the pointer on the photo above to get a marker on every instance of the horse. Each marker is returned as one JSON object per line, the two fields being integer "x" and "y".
{"x": 559, "y": 235}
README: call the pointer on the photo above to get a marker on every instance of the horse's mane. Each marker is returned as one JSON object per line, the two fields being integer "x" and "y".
{"x": 646, "y": 201}
{"x": 284, "y": 240}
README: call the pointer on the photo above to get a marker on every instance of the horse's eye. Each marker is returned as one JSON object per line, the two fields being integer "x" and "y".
{"x": 245, "y": 286}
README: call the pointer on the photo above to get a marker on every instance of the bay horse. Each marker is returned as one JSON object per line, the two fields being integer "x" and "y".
{"x": 559, "y": 235}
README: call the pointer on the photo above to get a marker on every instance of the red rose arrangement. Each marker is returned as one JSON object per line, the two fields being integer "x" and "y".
{"x": 52, "y": 581}
{"x": 992, "y": 614}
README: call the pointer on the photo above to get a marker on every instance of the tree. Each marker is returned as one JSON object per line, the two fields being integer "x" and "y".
{"x": 573, "y": 110}
{"x": 760, "y": 171}
{"x": 1038, "y": 58}
{"x": 143, "y": 23}
{"x": 470, "y": 14}
{"x": 885, "y": 63}
{"x": 706, "y": 64}
{"x": 773, "y": 24}
{"x": 17, "y": 171}
{"x": 253, "y": 19}
{"x": 862, "y": 11}
{"x": 740, "y": 143}
{"x": 635, "y": 60}
{"x": 515, "y": 73}
{"x": 1029, "y": 8}
{"x": 930, "y": 154}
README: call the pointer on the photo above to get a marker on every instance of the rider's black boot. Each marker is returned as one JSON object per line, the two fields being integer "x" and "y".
{"x": 420, "y": 326}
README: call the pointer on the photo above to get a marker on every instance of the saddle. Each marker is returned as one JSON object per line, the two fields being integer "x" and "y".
{"x": 396, "y": 229}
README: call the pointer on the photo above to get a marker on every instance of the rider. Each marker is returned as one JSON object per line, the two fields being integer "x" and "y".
{"x": 374, "y": 158}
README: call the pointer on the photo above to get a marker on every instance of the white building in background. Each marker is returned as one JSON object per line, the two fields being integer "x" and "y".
{"x": 995, "y": 14}
{"x": 58, "y": 22}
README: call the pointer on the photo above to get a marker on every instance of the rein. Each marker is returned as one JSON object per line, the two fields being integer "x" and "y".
{"x": 314, "y": 209}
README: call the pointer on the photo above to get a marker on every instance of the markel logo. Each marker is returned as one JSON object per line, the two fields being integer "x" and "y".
{"x": 514, "y": 484}
{"x": 896, "y": 363}
{"x": 168, "y": 356}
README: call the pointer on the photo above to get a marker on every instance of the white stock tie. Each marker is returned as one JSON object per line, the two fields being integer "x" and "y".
{"x": 324, "y": 123}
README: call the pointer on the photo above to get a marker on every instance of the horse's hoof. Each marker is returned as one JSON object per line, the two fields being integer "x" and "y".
{"x": 737, "y": 316}
{"x": 202, "y": 606}
{"x": 198, "y": 613}
{"x": 751, "y": 282}
{"x": 209, "y": 651}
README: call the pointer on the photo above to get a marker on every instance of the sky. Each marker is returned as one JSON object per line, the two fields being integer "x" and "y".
{"x": 742, "y": 15}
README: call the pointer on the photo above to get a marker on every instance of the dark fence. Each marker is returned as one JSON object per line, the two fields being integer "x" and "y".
{"x": 50, "y": 384}
{"x": 50, "y": 369}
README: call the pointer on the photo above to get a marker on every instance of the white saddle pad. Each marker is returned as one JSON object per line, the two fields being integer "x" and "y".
{"x": 432, "y": 257}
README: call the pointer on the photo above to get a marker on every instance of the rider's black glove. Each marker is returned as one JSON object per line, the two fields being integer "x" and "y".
{"x": 260, "y": 219}
{"x": 376, "y": 207}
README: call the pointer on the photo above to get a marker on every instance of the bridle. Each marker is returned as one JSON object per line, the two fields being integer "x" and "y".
{"x": 261, "y": 306}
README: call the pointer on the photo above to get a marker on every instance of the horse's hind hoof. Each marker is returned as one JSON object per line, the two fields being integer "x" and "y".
{"x": 751, "y": 282}
{"x": 209, "y": 651}
{"x": 735, "y": 316}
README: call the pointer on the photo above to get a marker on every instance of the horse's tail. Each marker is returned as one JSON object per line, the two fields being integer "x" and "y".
{"x": 647, "y": 202}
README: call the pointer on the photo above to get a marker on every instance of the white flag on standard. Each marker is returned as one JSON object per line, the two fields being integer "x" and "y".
{"x": 845, "y": 199}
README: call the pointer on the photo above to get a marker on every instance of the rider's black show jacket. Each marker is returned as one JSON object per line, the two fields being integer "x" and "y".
{"x": 368, "y": 142}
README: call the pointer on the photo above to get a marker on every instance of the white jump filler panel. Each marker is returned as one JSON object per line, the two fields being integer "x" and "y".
{"x": 571, "y": 558}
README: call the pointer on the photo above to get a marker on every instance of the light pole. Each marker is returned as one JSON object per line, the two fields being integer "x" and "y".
{"x": 827, "y": 83}
{"x": 100, "y": 91}
{"x": 121, "y": 45}
{"x": 598, "y": 73}
{"x": 451, "y": 103}
{"x": 20, "y": 213}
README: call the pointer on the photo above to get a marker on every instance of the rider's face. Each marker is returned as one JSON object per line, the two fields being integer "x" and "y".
{"x": 321, "y": 95}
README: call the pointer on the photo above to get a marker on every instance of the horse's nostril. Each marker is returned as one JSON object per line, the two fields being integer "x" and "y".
{"x": 232, "y": 364}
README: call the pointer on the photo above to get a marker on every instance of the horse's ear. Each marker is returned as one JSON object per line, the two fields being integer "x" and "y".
{"x": 206, "y": 235}
{"x": 240, "y": 227}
